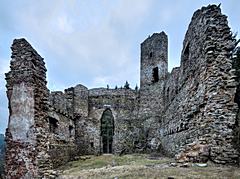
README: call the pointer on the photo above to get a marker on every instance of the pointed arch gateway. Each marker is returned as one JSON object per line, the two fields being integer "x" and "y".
{"x": 107, "y": 131}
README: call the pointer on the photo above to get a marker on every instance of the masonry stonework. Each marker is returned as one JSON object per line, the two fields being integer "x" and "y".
{"x": 191, "y": 113}
{"x": 200, "y": 117}
{"x": 26, "y": 136}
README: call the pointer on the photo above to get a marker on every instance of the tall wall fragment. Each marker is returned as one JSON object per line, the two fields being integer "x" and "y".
{"x": 199, "y": 119}
{"x": 26, "y": 135}
{"x": 153, "y": 74}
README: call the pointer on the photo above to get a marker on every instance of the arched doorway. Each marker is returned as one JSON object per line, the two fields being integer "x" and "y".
{"x": 107, "y": 131}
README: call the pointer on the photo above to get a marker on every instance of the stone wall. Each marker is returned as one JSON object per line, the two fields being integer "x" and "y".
{"x": 62, "y": 146}
{"x": 154, "y": 59}
{"x": 199, "y": 119}
{"x": 62, "y": 127}
{"x": 154, "y": 65}
{"x": 84, "y": 115}
{"x": 122, "y": 103}
{"x": 41, "y": 129}
{"x": 27, "y": 132}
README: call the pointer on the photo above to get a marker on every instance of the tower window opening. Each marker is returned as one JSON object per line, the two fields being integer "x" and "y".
{"x": 53, "y": 125}
{"x": 70, "y": 131}
{"x": 151, "y": 54}
{"x": 91, "y": 144}
{"x": 155, "y": 75}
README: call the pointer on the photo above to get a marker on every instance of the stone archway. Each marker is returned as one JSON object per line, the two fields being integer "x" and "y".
{"x": 107, "y": 131}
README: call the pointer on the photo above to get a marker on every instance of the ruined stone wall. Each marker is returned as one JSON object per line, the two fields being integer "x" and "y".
{"x": 62, "y": 146}
{"x": 69, "y": 110}
{"x": 154, "y": 65}
{"x": 220, "y": 79}
{"x": 89, "y": 106}
{"x": 199, "y": 119}
{"x": 59, "y": 102}
{"x": 122, "y": 103}
{"x": 66, "y": 109}
{"x": 191, "y": 113}
{"x": 27, "y": 132}
{"x": 83, "y": 126}
{"x": 81, "y": 100}
{"x": 41, "y": 128}
{"x": 171, "y": 87}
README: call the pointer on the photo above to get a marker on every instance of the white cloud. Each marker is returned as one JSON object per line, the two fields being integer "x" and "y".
{"x": 64, "y": 24}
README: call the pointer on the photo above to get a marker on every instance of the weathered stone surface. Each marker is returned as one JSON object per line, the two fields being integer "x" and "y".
{"x": 22, "y": 118}
{"x": 196, "y": 100}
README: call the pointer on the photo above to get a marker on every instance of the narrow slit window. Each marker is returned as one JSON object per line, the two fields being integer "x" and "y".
{"x": 186, "y": 60}
{"x": 151, "y": 54}
{"x": 168, "y": 95}
{"x": 70, "y": 131}
{"x": 155, "y": 75}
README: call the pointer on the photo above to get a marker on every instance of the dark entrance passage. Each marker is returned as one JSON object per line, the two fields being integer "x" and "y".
{"x": 107, "y": 131}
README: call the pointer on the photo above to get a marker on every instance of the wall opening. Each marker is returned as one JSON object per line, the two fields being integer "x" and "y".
{"x": 70, "y": 131}
{"x": 107, "y": 131}
{"x": 186, "y": 58}
{"x": 53, "y": 125}
{"x": 91, "y": 144}
{"x": 155, "y": 75}
{"x": 151, "y": 54}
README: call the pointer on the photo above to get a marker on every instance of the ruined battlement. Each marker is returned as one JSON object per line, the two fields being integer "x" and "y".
{"x": 191, "y": 113}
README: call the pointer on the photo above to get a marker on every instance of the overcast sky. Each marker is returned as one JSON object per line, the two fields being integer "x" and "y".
{"x": 95, "y": 42}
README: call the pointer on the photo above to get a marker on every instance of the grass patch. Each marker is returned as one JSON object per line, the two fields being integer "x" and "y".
{"x": 110, "y": 161}
{"x": 91, "y": 163}
{"x": 139, "y": 166}
{"x": 138, "y": 159}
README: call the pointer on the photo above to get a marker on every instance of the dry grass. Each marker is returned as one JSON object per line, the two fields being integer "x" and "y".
{"x": 139, "y": 167}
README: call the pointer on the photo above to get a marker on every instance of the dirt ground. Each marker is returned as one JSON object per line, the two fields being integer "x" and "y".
{"x": 138, "y": 166}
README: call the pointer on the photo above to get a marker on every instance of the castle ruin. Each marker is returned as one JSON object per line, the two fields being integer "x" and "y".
{"x": 191, "y": 113}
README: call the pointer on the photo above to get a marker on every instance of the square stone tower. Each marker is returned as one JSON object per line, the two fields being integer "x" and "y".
{"x": 154, "y": 59}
